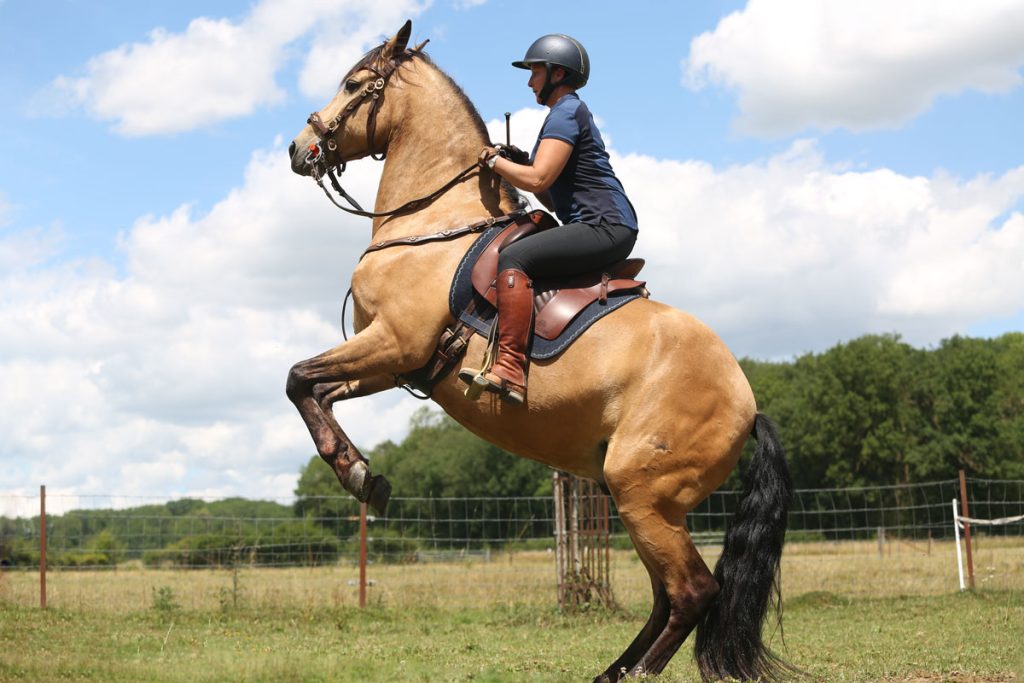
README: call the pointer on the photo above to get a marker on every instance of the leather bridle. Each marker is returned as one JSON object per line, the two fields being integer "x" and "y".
{"x": 328, "y": 133}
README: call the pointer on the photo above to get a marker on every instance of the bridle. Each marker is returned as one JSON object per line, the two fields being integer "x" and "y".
{"x": 327, "y": 134}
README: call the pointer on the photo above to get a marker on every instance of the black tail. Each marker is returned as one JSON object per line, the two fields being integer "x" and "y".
{"x": 729, "y": 643}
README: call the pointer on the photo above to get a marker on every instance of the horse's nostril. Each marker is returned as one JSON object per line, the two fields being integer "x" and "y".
{"x": 291, "y": 149}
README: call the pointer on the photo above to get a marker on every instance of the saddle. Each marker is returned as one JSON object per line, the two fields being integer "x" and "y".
{"x": 563, "y": 308}
{"x": 555, "y": 302}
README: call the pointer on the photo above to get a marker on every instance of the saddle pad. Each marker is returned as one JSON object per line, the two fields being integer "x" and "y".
{"x": 462, "y": 294}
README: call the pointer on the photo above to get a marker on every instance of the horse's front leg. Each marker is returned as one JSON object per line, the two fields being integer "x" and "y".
{"x": 329, "y": 393}
{"x": 358, "y": 367}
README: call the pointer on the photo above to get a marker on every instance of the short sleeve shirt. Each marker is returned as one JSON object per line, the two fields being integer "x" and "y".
{"x": 587, "y": 190}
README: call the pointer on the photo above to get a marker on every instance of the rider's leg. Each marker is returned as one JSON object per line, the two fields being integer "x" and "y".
{"x": 560, "y": 252}
{"x": 507, "y": 377}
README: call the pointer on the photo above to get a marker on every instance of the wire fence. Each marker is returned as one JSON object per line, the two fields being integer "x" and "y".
{"x": 832, "y": 525}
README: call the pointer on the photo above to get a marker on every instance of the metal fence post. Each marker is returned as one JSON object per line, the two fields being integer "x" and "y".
{"x": 362, "y": 554}
{"x": 42, "y": 547}
{"x": 967, "y": 528}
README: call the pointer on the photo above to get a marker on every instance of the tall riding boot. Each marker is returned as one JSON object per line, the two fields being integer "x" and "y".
{"x": 507, "y": 377}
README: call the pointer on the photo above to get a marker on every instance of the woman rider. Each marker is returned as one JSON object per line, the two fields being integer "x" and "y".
{"x": 570, "y": 173}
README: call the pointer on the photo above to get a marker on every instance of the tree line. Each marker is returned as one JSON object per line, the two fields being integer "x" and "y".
{"x": 869, "y": 412}
{"x": 877, "y": 410}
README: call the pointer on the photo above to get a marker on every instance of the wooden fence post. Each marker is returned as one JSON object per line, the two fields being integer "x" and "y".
{"x": 582, "y": 543}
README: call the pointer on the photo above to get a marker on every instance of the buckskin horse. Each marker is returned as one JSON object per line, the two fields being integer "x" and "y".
{"x": 649, "y": 402}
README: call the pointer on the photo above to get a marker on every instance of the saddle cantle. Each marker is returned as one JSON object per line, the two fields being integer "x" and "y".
{"x": 563, "y": 308}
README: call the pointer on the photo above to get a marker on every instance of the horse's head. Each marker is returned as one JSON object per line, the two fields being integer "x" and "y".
{"x": 356, "y": 122}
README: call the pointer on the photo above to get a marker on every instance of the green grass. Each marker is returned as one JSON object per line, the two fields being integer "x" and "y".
{"x": 957, "y": 637}
{"x": 851, "y": 615}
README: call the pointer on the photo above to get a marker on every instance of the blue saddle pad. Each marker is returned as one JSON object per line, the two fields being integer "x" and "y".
{"x": 462, "y": 293}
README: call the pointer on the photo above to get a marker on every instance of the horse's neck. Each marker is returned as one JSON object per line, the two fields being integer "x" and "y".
{"x": 437, "y": 139}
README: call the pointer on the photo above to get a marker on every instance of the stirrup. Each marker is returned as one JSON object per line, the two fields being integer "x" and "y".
{"x": 475, "y": 381}
{"x": 504, "y": 390}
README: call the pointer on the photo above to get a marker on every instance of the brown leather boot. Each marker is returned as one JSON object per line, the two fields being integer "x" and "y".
{"x": 507, "y": 377}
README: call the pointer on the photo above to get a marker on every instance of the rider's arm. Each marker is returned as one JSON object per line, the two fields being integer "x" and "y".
{"x": 551, "y": 157}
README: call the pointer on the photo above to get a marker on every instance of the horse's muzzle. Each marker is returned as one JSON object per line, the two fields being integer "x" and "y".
{"x": 298, "y": 157}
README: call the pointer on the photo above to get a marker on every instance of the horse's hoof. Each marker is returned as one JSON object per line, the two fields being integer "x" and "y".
{"x": 357, "y": 481}
{"x": 380, "y": 493}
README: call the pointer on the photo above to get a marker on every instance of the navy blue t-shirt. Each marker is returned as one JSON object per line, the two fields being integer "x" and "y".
{"x": 587, "y": 189}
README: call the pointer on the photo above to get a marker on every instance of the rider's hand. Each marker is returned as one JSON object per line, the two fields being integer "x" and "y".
{"x": 513, "y": 154}
{"x": 487, "y": 154}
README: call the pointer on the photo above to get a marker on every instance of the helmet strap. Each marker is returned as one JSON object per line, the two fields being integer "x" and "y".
{"x": 549, "y": 87}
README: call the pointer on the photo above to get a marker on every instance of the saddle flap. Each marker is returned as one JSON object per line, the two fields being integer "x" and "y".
{"x": 486, "y": 267}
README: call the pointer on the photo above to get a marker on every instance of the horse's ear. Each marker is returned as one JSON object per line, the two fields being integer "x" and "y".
{"x": 397, "y": 44}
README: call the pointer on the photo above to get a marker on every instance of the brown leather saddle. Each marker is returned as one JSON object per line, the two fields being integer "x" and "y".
{"x": 555, "y": 302}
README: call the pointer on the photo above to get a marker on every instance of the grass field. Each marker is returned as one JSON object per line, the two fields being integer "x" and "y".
{"x": 850, "y": 615}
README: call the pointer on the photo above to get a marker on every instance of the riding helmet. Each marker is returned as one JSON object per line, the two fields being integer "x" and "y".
{"x": 557, "y": 49}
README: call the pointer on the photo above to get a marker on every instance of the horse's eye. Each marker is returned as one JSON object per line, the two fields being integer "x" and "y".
{"x": 351, "y": 85}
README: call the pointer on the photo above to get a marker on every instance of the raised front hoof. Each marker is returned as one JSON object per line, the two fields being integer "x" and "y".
{"x": 380, "y": 493}
{"x": 357, "y": 481}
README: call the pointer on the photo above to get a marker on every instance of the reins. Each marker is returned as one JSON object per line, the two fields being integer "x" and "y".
{"x": 315, "y": 159}
{"x": 409, "y": 206}
{"x": 374, "y": 94}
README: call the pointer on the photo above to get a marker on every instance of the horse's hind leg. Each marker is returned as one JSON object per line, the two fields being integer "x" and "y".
{"x": 653, "y": 509}
{"x": 690, "y": 587}
{"x": 654, "y": 626}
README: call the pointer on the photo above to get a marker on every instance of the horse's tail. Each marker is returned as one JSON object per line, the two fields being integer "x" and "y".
{"x": 729, "y": 643}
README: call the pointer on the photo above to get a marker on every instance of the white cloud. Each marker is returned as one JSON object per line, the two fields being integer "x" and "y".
{"x": 864, "y": 65}
{"x": 792, "y": 254}
{"x": 167, "y": 377}
{"x": 220, "y": 69}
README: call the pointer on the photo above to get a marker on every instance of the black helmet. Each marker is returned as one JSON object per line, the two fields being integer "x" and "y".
{"x": 557, "y": 49}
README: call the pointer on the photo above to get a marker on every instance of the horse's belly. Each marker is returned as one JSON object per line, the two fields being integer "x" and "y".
{"x": 647, "y": 368}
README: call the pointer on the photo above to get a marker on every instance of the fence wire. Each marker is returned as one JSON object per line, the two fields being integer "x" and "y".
{"x": 908, "y": 526}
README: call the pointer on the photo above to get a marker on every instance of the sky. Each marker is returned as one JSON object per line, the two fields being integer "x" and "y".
{"x": 805, "y": 172}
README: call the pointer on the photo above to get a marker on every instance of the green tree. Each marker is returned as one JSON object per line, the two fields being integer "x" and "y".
{"x": 440, "y": 458}
{"x": 106, "y": 543}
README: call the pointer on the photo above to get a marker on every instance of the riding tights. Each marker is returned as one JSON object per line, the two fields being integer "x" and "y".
{"x": 571, "y": 249}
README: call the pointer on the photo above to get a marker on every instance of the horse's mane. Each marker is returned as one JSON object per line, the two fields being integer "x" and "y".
{"x": 373, "y": 59}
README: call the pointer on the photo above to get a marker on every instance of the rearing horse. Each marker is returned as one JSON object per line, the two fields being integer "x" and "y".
{"x": 649, "y": 402}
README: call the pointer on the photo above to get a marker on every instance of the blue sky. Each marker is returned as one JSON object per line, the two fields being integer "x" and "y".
{"x": 805, "y": 172}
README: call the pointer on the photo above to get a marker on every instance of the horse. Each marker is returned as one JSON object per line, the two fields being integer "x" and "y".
{"x": 649, "y": 402}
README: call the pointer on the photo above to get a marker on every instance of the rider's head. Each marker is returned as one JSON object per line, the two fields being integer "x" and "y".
{"x": 551, "y": 52}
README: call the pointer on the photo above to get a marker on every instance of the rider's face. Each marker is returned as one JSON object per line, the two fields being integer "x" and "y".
{"x": 536, "y": 82}
{"x": 538, "y": 74}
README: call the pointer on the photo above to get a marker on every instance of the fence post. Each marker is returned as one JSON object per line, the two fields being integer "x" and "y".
{"x": 362, "y": 555}
{"x": 959, "y": 557}
{"x": 582, "y": 548}
{"x": 967, "y": 529}
{"x": 42, "y": 547}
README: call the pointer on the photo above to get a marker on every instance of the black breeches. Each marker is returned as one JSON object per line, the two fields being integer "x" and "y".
{"x": 568, "y": 250}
